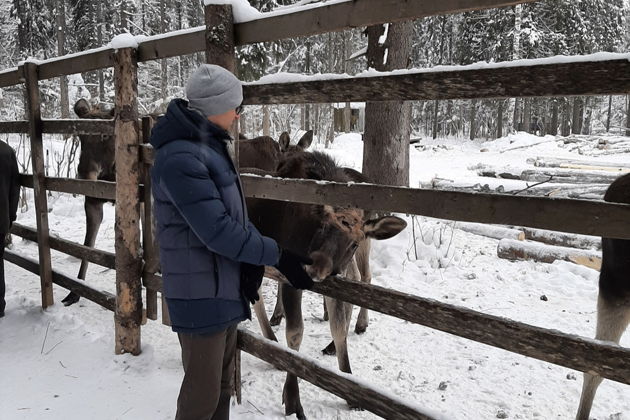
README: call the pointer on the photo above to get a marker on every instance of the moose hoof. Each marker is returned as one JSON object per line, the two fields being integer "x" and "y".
{"x": 360, "y": 329}
{"x": 330, "y": 349}
{"x": 275, "y": 320}
{"x": 72, "y": 298}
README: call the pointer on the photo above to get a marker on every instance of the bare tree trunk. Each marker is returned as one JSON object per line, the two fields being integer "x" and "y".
{"x": 436, "y": 105}
{"x": 500, "y": 119}
{"x": 307, "y": 107}
{"x": 566, "y": 111}
{"x": 347, "y": 111}
{"x": 576, "y": 127}
{"x": 387, "y": 124}
{"x": 628, "y": 115}
{"x": 608, "y": 114}
{"x": 517, "y": 119}
{"x": 99, "y": 39}
{"x": 527, "y": 114}
{"x": 586, "y": 126}
{"x": 473, "y": 119}
{"x": 163, "y": 67}
{"x": 266, "y": 125}
{"x": 553, "y": 129}
{"x": 61, "y": 50}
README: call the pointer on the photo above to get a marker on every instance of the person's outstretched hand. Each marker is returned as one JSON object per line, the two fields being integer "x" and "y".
{"x": 251, "y": 279}
{"x": 290, "y": 264}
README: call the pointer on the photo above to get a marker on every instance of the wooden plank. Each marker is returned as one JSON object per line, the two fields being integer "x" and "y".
{"x": 348, "y": 387}
{"x": 127, "y": 228}
{"x": 597, "y": 357}
{"x": 102, "y": 298}
{"x": 587, "y": 217}
{"x": 601, "y": 358}
{"x": 105, "y": 190}
{"x": 11, "y": 77}
{"x": 178, "y": 43}
{"x": 150, "y": 247}
{"x": 565, "y": 79}
{"x": 103, "y": 258}
{"x": 95, "y": 126}
{"x": 90, "y": 60}
{"x": 147, "y": 154}
{"x": 39, "y": 183}
{"x": 13, "y": 126}
{"x": 353, "y": 14}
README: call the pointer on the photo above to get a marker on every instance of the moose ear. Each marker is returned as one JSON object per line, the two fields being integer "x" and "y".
{"x": 306, "y": 140}
{"x": 384, "y": 227}
{"x": 284, "y": 141}
{"x": 82, "y": 108}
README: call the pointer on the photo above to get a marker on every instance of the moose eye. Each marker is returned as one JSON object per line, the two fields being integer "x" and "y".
{"x": 355, "y": 245}
{"x": 345, "y": 223}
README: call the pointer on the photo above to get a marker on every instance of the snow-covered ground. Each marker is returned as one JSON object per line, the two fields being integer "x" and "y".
{"x": 60, "y": 363}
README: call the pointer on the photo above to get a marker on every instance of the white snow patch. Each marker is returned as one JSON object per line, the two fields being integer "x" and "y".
{"x": 124, "y": 40}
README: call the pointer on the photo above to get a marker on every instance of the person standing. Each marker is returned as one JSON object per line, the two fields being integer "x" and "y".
{"x": 9, "y": 197}
{"x": 212, "y": 257}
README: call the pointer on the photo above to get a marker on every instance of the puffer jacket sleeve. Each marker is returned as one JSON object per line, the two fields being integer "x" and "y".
{"x": 194, "y": 194}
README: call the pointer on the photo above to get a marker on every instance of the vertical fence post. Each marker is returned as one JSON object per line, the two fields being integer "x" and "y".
{"x": 149, "y": 246}
{"x": 128, "y": 315}
{"x": 30, "y": 73}
{"x": 220, "y": 50}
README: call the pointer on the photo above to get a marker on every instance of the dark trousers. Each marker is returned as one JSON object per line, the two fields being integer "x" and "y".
{"x": 208, "y": 370}
{"x": 2, "y": 284}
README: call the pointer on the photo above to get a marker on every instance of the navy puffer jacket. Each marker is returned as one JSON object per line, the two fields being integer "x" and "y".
{"x": 202, "y": 225}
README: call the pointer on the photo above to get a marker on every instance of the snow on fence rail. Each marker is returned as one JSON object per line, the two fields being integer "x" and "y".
{"x": 613, "y": 220}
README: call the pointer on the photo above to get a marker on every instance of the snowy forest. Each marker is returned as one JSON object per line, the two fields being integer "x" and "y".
{"x": 43, "y": 29}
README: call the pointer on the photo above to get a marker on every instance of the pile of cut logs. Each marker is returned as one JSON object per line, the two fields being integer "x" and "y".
{"x": 522, "y": 243}
{"x": 552, "y": 177}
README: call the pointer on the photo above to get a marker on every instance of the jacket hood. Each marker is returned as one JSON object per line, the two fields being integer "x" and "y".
{"x": 182, "y": 123}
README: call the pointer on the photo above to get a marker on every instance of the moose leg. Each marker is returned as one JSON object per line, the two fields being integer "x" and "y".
{"x": 363, "y": 263}
{"x": 261, "y": 315}
{"x": 613, "y": 318}
{"x": 278, "y": 310}
{"x": 94, "y": 217}
{"x": 352, "y": 273}
{"x": 292, "y": 301}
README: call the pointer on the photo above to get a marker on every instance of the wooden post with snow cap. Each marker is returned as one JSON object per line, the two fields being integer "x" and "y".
{"x": 30, "y": 74}
{"x": 220, "y": 46}
{"x": 128, "y": 316}
{"x": 220, "y": 50}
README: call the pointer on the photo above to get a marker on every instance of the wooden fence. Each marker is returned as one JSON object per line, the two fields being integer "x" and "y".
{"x": 133, "y": 184}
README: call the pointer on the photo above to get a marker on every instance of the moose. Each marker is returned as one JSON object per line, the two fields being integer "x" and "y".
{"x": 96, "y": 162}
{"x": 264, "y": 152}
{"x": 330, "y": 237}
{"x": 613, "y": 301}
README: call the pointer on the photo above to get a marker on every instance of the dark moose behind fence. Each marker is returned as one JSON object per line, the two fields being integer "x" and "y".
{"x": 133, "y": 160}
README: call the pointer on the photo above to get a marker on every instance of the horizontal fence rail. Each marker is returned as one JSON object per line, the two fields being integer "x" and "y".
{"x": 103, "y": 258}
{"x": 330, "y": 18}
{"x": 10, "y": 77}
{"x": 578, "y": 78}
{"x": 587, "y": 355}
{"x": 102, "y": 298}
{"x": 105, "y": 190}
{"x": 586, "y": 217}
{"x": 78, "y": 126}
{"x": 14, "y": 127}
{"x": 342, "y": 385}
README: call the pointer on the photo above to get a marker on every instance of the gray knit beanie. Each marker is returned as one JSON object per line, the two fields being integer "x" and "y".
{"x": 213, "y": 90}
